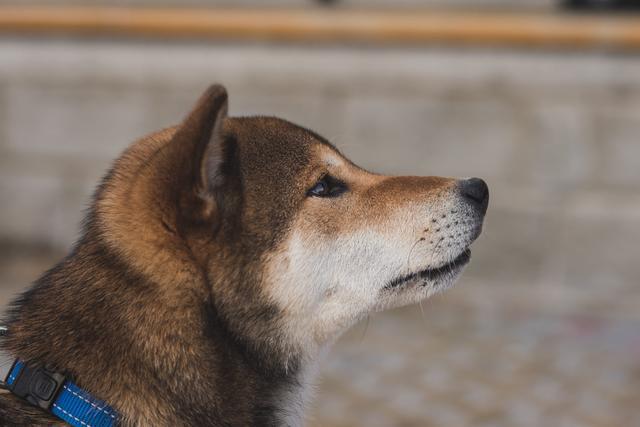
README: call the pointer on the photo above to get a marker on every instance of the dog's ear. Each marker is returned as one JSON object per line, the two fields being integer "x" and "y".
{"x": 205, "y": 121}
{"x": 200, "y": 140}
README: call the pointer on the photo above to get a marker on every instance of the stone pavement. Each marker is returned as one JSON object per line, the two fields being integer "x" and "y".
{"x": 478, "y": 356}
{"x": 472, "y": 364}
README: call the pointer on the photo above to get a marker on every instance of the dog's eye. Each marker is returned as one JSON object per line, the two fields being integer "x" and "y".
{"x": 321, "y": 189}
{"x": 327, "y": 186}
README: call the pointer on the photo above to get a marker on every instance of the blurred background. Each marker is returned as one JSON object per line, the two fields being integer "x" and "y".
{"x": 541, "y": 98}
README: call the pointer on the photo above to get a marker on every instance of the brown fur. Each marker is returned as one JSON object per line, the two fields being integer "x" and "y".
{"x": 160, "y": 308}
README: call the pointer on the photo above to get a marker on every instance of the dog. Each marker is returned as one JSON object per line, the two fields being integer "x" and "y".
{"x": 219, "y": 260}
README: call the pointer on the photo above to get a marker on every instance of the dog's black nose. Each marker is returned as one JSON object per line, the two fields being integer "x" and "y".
{"x": 476, "y": 191}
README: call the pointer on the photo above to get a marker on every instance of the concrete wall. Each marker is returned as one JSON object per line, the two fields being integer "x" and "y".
{"x": 556, "y": 135}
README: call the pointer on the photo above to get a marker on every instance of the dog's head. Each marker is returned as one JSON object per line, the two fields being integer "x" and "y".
{"x": 292, "y": 241}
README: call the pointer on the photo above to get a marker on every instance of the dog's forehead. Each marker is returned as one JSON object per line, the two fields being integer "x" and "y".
{"x": 268, "y": 128}
{"x": 276, "y": 140}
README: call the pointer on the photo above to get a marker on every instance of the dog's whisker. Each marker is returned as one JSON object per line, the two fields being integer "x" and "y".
{"x": 424, "y": 319}
{"x": 411, "y": 252}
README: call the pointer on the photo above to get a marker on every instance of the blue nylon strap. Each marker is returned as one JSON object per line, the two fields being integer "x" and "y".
{"x": 79, "y": 408}
{"x": 74, "y": 405}
{"x": 15, "y": 371}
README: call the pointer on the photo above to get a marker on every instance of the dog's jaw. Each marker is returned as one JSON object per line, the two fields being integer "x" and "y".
{"x": 417, "y": 288}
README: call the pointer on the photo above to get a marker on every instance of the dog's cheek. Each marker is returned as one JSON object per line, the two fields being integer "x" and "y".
{"x": 308, "y": 279}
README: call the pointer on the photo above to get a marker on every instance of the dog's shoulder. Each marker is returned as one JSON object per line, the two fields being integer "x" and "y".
{"x": 14, "y": 412}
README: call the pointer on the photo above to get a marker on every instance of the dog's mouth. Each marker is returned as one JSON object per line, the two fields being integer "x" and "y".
{"x": 432, "y": 275}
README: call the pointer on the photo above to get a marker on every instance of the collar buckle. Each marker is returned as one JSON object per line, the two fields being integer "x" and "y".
{"x": 39, "y": 386}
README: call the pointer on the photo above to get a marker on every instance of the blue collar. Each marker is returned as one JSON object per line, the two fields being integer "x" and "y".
{"x": 52, "y": 392}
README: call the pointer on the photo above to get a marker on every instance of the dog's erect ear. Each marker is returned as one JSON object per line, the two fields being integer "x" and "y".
{"x": 200, "y": 137}
{"x": 206, "y": 121}
{"x": 200, "y": 144}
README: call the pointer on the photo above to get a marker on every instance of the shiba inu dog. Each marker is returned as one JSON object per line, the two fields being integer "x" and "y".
{"x": 219, "y": 259}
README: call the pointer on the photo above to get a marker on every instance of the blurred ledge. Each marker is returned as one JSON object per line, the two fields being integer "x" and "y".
{"x": 522, "y": 29}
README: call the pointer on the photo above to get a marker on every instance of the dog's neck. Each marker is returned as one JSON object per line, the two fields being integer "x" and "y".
{"x": 168, "y": 363}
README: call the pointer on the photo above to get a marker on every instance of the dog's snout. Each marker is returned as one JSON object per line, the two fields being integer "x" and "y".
{"x": 476, "y": 191}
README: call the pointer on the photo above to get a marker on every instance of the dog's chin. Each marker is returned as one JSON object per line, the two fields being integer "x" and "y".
{"x": 414, "y": 287}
